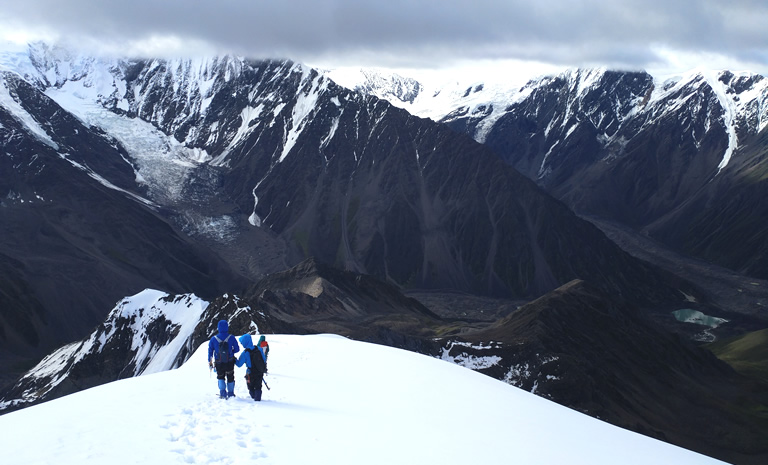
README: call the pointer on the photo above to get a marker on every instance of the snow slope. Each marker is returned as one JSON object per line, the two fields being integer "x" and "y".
{"x": 332, "y": 400}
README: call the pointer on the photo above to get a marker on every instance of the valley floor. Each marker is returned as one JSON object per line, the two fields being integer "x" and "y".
{"x": 727, "y": 289}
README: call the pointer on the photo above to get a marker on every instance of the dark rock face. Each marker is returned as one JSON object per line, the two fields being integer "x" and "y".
{"x": 726, "y": 222}
{"x": 318, "y": 298}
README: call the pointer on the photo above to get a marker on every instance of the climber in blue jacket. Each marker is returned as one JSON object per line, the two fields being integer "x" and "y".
{"x": 221, "y": 351}
{"x": 254, "y": 359}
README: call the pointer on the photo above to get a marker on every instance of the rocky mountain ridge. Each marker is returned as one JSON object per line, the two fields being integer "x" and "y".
{"x": 679, "y": 158}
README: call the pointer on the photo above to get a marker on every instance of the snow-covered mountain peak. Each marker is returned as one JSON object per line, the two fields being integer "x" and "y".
{"x": 431, "y": 99}
{"x": 381, "y": 83}
{"x": 150, "y": 305}
{"x": 737, "y": 102}
{"x": 581, "y": 80}
{"x": 56, "y": 64}
{"x": 616, "y": 104}
{"x": 171, "y": 115}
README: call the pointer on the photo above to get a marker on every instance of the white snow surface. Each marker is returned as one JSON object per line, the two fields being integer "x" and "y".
{"x": 332, "y": 400}
{"x": 15, "y": 57}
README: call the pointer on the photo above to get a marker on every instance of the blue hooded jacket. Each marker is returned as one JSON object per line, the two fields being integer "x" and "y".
{"x": 245, "y": 358}
{"x": 213, "y": 344}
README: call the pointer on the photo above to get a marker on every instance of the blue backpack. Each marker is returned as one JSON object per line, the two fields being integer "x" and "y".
{"x": 223, "y": 355}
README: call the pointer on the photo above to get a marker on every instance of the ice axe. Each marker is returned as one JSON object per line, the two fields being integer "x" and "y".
{"x": 265, "y": 383}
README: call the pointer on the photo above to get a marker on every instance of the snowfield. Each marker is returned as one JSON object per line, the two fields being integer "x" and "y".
{"x": 332, "y": 401}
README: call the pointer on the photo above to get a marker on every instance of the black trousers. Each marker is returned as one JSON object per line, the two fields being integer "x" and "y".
{"x": 253, "y": 380}
{"x": 227, "y": 369}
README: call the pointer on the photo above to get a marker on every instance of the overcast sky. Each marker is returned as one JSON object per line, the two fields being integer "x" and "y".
{"x": 664, "y": 35}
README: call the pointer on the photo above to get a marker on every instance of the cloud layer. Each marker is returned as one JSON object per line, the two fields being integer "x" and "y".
{"x": 627, "y": 33}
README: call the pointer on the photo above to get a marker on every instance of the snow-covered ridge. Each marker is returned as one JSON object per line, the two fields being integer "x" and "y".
{"x": 378, "y": 82}
{"x": 342, "y": 401}
{"x": 741, "y": 102}
{"x": 430, "y": 100}
{"x": 179, "y": 315}
{"x": 11, "y": 104}
{"x": 624, "y": 107}
{"x": 150, "y": 329}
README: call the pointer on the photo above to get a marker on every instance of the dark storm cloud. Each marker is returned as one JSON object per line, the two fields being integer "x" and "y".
{"x": 568, "y": 32}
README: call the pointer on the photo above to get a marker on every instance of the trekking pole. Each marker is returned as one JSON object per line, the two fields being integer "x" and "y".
{"x": 265, "y": 383}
